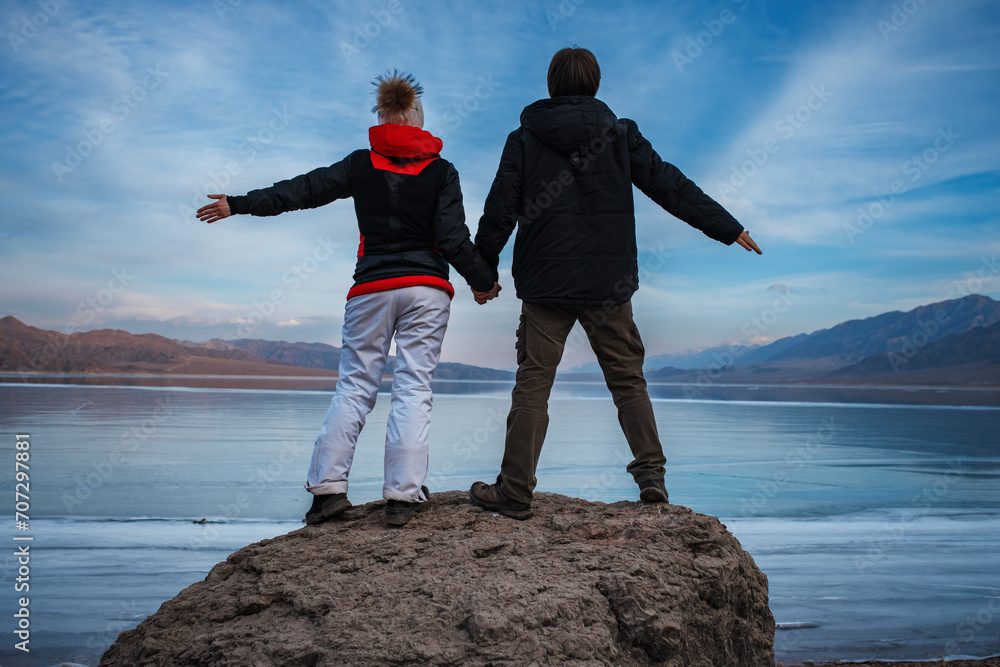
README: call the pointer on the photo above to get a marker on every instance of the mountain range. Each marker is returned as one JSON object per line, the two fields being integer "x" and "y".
{"x": 954, "y": 342}
{"x": 26, "y": 349}
{"x": 948, "y": 342}
{"x": 323, "y": 356}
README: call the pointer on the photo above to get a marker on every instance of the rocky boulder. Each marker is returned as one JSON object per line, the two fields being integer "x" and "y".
{"x": 580, "y": 583}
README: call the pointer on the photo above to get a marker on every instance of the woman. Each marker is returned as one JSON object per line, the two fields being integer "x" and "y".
{"x": 412, "y": 225}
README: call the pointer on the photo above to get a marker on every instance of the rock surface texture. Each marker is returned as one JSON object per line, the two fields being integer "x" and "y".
{"x": 580, "y": 583}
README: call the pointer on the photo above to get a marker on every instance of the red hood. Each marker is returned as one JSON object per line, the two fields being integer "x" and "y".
{"x": 404, "y": 141}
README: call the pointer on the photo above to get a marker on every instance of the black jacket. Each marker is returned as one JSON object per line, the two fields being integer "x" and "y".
{"x": 409, "y": 206}
{"x": 565, "y": 180}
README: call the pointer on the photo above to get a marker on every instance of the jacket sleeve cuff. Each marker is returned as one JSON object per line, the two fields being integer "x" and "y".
{"x": 238, "y": 205}
{"x": 733, "y": 234}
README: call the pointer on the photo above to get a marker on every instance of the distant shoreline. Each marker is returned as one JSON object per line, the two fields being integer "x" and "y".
{"x": 565, "y": 387}
{"x": 581, "y": 378}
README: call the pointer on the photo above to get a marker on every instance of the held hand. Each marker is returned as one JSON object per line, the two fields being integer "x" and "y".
{"x": 483, "y": 297}
{"x": 215, "y": 211}
{"x": 748, "y": 243}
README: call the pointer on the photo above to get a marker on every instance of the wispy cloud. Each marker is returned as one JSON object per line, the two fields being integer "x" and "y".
{"x": 799, "y": 118}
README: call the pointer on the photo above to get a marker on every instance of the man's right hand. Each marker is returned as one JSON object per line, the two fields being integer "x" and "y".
{"x": 748, "y": 243}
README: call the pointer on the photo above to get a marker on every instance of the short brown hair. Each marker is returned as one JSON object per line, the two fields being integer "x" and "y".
{"x": 574, "y": 71}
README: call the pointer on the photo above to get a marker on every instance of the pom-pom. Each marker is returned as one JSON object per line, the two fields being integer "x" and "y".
{"x": 395, "y": 94}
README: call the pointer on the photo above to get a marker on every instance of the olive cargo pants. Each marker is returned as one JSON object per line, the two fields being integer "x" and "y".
{"x": 541, "y": 337}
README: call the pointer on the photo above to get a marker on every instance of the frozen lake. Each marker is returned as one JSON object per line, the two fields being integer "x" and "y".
{"x": 878, "y": 524}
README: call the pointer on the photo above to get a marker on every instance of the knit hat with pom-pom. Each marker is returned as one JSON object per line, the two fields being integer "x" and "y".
{"x": 397, "y": 99}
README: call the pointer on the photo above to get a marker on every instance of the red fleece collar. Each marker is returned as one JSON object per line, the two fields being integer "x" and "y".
{"x": 404, "y": 141}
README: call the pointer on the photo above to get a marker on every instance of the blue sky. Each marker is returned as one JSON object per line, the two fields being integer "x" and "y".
{"x": 857, "y": 141}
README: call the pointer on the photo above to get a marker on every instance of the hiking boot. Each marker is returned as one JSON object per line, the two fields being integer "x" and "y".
{"x": 653, "y": 491}
{"x": 398, "y": 512}
{"x": 327, "y": 506}
{"x": 491, "y": 497}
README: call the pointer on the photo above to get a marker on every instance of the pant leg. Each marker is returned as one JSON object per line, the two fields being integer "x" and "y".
{"x": 616, "y": 342}
{"x": 367, "y": 333}
{"x": 421, "y": 320}
{"x": 541, "y": 337}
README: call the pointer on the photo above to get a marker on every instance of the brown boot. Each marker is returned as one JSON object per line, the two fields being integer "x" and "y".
{"x": 491, "y": 497}
{"x": 653, "y": 491}
{"x": 398, "y": 512}
{"x": 327, "y": 506}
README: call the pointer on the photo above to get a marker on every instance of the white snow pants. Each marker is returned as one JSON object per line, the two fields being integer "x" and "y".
{"x": 418, "y": 316}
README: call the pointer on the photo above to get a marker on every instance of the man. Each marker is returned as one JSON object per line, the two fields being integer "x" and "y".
{"x": 565, "y": 180}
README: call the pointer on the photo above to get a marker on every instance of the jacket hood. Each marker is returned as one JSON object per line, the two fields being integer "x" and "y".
{"x": 567, "y": 124}
{"x": 404, "y": 141}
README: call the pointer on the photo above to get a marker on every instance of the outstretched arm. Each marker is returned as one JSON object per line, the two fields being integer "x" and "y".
{"x": 317, "y": 188}
{"x": 667, "y": 186}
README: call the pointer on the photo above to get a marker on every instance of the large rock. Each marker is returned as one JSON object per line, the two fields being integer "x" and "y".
{"x": 581, "y": 583}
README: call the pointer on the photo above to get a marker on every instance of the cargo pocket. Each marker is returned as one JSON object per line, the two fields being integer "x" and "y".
{"x": 635, "y": 342}
{"x": 519, "y": 343}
